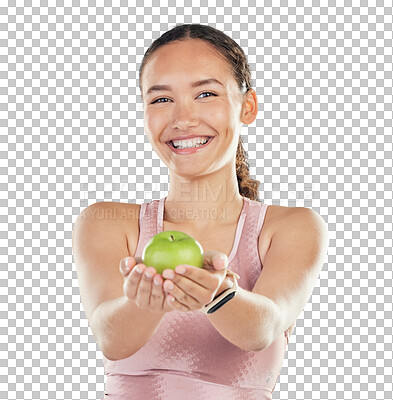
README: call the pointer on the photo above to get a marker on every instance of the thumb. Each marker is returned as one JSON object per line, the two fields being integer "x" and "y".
{"x": 216, "y": 259}
{"x": 126, "y": 264}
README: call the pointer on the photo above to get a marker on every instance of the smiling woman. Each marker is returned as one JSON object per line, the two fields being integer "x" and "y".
{"x": 216, "y": 90}
{"x": 220, "y": 331}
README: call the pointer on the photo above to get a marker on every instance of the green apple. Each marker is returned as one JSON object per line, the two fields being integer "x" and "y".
{"x": 171, "y": 248}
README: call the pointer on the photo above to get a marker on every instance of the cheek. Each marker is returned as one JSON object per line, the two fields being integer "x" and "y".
{"x": 216, "y": 115}
{"x": 153, "y": 121}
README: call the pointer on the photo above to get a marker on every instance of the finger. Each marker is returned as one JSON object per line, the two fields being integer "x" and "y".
{"x": 157, "y": 297}
{"x": 197, "y": 293}
{"x": 207, "y": 279}
{"x": 175, "y": 305}
{"x": 145, "y": 288}
{"x": 216, "y": 259}
{"x": 182, "y": 297}
{"x": 166, "y": 305}
{"x": 132, "y": 281}
{"x": 200, "y": 276}
{"x": 126, "y": 264}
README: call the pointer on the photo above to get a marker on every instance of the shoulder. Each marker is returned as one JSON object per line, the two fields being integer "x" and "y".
{"x": 280, "y": 219}
{"x": 111, "y": 214}
{"x": 109, "y": 218}
{"x": 300, "y": 226}
{"x": 111, "y": 210}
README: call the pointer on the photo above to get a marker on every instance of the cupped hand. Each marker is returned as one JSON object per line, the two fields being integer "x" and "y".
{"x": 190, "y": 288}
{"x": 143, "y": 285}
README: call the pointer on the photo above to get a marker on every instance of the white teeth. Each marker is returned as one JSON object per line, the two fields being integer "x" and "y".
{"x": 194, "y": 142}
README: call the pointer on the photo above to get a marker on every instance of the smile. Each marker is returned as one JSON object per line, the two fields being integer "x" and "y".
{"x": 189, "y": 146}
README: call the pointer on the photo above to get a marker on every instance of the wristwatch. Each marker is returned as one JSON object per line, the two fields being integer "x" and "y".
{"x": 223, "y": 297}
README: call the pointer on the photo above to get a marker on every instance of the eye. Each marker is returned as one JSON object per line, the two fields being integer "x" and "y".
{"x": 208, "y": 94}
{"x": 159, "y": 100}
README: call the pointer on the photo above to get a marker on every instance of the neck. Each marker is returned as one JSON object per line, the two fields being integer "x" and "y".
{"x": 204, "y": 201}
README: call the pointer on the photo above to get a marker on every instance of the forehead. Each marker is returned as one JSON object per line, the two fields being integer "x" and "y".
{"x": 186, "y": 60}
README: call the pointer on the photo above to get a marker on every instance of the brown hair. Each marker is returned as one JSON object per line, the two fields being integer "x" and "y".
{"x": 235, "y": 56}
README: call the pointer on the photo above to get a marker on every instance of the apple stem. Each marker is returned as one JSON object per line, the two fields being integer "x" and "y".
{"x": 172, "y": 238}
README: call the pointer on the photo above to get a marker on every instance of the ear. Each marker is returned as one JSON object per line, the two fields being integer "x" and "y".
{"x": 250, "y": 107}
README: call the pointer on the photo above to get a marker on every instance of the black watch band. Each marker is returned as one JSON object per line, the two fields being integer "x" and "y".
{"x": 224, "y": 297}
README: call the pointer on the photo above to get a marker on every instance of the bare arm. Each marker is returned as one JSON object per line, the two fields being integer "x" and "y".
{"x": 253, "y": 320}
{"x": 121, "y": 328}
{"x": 116, "y": 302}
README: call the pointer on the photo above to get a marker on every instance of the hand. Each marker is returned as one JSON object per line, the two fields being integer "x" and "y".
{"x": 196, "y": 287}
{"x": 146, "y": 292}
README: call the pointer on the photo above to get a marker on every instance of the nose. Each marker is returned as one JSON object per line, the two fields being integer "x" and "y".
{"x": 184, "y": 116}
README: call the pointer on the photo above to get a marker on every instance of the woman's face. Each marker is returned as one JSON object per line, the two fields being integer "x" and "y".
{"x": 189, "y": 90}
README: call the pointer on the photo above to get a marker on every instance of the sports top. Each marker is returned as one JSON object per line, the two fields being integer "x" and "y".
{"x": 187, "y": 357}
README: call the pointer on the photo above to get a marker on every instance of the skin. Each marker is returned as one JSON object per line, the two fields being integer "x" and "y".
{"x": 198, "y": 181}
{"x": 191, "y": 290}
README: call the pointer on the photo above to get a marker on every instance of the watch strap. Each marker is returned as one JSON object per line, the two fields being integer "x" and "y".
{"x": 224, "y": 297}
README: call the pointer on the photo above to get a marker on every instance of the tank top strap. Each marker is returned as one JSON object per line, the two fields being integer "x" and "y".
{"x": 246, "y": 261}
{"x": 147, "y": 225}
{"x": 239, "y": 228}
{"x": 252, "y": 217}
{"x": 160, "y": 214}
{"x": 261, "y": 217}
{"x": 142, "y": 212}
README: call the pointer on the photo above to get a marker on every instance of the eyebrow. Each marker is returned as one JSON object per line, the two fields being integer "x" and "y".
{"x": 157, "y": 88}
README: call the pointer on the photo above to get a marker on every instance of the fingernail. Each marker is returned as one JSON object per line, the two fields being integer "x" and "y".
{"x": 157, "y": 282}
{"x": 148, "y": 274}
{"x": 180, "y": 270}
{"x": 169, "y": 274}
{"x": 139, "y": 269}
{"x": 225, "y": 260}
{"x": 170, "y": 286}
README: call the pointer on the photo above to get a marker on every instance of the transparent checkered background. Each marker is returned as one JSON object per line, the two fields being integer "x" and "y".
{"x": 71, "y": 124}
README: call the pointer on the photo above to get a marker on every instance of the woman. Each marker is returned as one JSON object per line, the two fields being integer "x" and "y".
{"x": 156, "y": 342}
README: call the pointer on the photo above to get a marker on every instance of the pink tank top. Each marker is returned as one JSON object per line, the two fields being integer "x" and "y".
{"x": 187, "y": 358}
